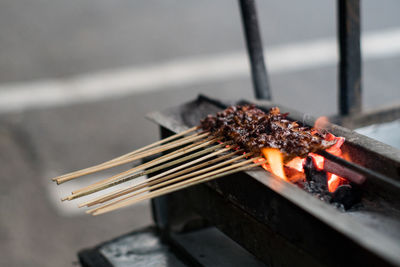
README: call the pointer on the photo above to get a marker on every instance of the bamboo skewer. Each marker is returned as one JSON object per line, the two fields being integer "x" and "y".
{"x": 161, "y": 177}
{"x": 141, "y": 155}
{"x": 162, "y": 141}
{"x": 178, "y": 186}
{"x": 171, "y": 155}
{"x": 161, "y": 182}
{"x": 159, "y": 160}
{"x": 149, "y": 171}
{"x": 124, "y": 160}
{"x": 144, "y": 186}
{"x": 115, "y": 180}
{"x": 178, "y": 179}
{"x": 144, "y": 183}
{"x": 197, "y": 167}
{"x": 164, "y": 147}
{"x": 84, "y": 171}
{"x": 147, "y": 164}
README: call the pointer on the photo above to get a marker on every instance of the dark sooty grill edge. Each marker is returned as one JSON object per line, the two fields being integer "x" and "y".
{"x": 369, "y": 153}
{"x": 386, "y": 159}
{"x": 357, "y": 228}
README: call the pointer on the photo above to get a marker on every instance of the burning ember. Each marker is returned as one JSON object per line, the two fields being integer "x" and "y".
{"x": 276, "y": 166}
{"x": 294, "y": 170}
{"x": 292, "y": 151}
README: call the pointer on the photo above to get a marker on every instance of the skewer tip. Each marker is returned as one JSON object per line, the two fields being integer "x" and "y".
{"x": 99, "y": 212}
{"x": 92, "y": 211}
{"x": 58, "y": 180}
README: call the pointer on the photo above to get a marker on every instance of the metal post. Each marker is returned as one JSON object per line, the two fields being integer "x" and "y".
{"x": 255, "y": 49}
{"x": 350, "y": 57}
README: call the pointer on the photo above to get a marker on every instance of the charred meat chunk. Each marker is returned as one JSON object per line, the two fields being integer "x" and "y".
{"x": 253, "y": 129}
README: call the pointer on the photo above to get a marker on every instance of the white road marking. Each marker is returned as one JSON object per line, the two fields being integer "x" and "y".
{"x": 202, "y": 69}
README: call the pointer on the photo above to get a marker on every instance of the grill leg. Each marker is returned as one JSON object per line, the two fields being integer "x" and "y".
{"x": 350, "y": 57}
{"x": 255, "y": 49}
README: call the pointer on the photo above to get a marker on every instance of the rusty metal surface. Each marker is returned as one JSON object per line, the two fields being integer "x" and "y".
{"x": 373, "y": 225}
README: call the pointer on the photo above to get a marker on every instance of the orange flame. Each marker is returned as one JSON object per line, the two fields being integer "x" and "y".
{"x": 295, "y": 166}
{"x": 333, "y": 182}
{"x": 296, "y": 163}
{"x": 275, "y": 161}
{"x": 318, "y": 161}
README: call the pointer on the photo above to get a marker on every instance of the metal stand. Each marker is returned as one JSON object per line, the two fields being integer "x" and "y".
{"x": 255, "y": 49}
{"x": 349, "y": 68}
{"x": 350, "y": 57}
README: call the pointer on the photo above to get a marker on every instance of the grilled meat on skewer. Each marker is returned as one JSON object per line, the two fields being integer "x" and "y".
{"x": 253, "y": 129}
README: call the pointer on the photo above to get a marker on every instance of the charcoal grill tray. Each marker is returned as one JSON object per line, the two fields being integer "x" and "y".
{"x": 373, "y": 225}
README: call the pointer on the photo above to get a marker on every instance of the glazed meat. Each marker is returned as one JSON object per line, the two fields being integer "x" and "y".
{"x": 253, "y": 129}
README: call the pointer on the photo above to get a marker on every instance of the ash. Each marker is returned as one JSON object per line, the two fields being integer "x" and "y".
{"x": 321, "y": 192}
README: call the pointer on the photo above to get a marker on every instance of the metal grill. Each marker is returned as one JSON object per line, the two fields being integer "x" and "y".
{"x": 278, "y": 223}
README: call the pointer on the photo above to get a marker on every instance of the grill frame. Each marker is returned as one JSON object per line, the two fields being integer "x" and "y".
{"x": 271, "y": 205}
